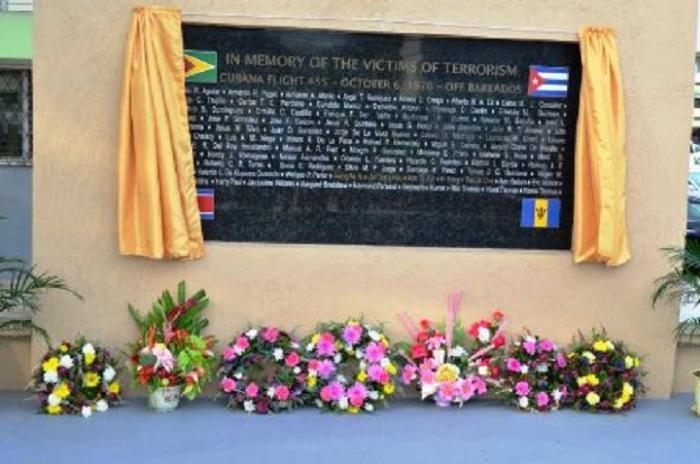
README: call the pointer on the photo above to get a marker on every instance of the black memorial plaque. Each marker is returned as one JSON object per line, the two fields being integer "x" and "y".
{"x": 309, "y": 136}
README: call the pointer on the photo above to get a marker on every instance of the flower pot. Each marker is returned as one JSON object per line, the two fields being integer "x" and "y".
{"x": 165, "y": 399}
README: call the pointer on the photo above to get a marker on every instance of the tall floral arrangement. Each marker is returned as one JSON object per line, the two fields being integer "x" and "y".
{"x": 171, "y": 350}
{"x": 447, "y": 363}
{"x": 78, "y": 377}
{"x": 603, "y": 375}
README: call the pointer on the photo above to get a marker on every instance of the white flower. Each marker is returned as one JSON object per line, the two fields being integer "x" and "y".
{"x": 238, "y": 375}
{"x": 373, "y": 395}
{"x": 524, "y": 369}
{"x": 343, "y": 402}
{"x": 54, "y": 400}
{"x": 362, "y": 365}
{"x": 102, "y": 406}
{"x": 556, "y": 394}
{"x": 428, "y": 389}
{"x": 278, "y": 354}
{"x": 374, "y": 335}
{"x": 294, "y": 345}
{"x": 369, "y": 407}
{"x": 51, "y": 377}
{"x": 337, "y": 358}
{"x": 310, "y": 347}
{"x": 88, "y": 348}
{"x": 439, "y": 356}
{"x": 248, "y": 406}
{"x": 341, "y": 378}
{"x": 483, "y": 371}
{"x": 271, "y": 392}
{"x": 484, "y": 335}
{"x": 385, "y": 362}
{"x": 66, "y": 361}
{"x": 542, "y": 368}
{"x": 296, "y": 370}
{"x": 86, "y": 411}
{"x": 359, "y": 354}
{"x": 458, "y": 351}
{"x": 523, "y": 402}
{"x": 530, "y": 339}
{"x": 252, "y": 333}
{"x": 108, "y": 374}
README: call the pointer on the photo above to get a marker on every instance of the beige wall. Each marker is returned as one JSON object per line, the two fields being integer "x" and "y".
{"x": 78, "y": 67}
{"x": 687, "y": 361}
{"x": 15, "y": 363}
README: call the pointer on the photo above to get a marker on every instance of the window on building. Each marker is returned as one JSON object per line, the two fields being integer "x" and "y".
{"x": 15, "y": 116}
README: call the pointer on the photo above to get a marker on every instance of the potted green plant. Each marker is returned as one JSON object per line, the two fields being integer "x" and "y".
{"x": 172, "y": 358}
{"x": 682, "y": 284}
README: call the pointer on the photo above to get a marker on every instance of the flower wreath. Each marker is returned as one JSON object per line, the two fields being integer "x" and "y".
{"x": 603, "y": 375}
{"x": 350, "y": 367}
{"x": 533, "y": 374}
{"x": 78, "y": 377}
{"x": 262, "y": 371}
{"x": 443, "y": 365}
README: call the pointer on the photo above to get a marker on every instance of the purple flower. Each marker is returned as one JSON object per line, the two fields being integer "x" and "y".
{"x": 542, "y": 399}
{"x": 530, "y": 346}
{"x": 375, "y": 372}
{"x": 375, "y": 352}
{"x": 561, "y": 361}
{"x": 522, "y": 388}
{"x": 336, "y": 390}
{"x": 326, "y": 368}
{"x": 352, "y": 334}
{"x": 546, "y": 345}
{"x": 357, "y": 394}
{"x": 513, "y": 365}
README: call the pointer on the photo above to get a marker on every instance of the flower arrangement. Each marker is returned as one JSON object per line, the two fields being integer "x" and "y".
{"x": 262, "y": 371}
{"x": 350, "y": 367}
{"x": 171, "y": 352}
{"x": 533, "y": 374}
{"x": 443, "y": 364}
{"x": 76, "y": 378}
{"x": 603, "y": 375}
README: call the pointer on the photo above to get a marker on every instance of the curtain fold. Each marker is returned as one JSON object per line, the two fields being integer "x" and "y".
{"x": 158, "y": 212}
{"x": 599, "y": 230}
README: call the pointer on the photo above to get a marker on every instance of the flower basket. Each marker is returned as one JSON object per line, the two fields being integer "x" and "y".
{"x": 164, "y": 399}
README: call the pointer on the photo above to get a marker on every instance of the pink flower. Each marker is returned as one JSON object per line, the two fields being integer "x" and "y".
{"x": 282, "y": 392}
{"x": 427, "y": 377}
{"x": 435, "y": 342}
{"x": 384, "y": 378}
{"x": 522, "y": 388}
{"x": 326, "y": 344}
{"x": 252, "y": 390}
{"x": 357, "y": 394}
{"x": 228, "y": 385}
{"x": 336, "y": 390}
{"x": 408, "y": 374}
{"x": 229, "y": 353}
{"x": 326, "y": 393}
{"x": 242, "y": 343}
{"x": 375, "y": 372}
{"x": 530, "y": 346}
{"x": 561, "y": 361}
{"x": 270, "y": 334}
{"x": 352, "y": 333}
{"x": 326, "y": 368}
{"x": 546, "y": 345}
{"x": 313, "y": 365}
{"x": 375, "y": 352}
{"x": 542, "y": 399}
{"x": 479, "y": 385}
{"x": 447, "y": 391}
{"x": 513, "y": 365}
{"x": 292, "y": 359}
{"x": 466, "y": 389}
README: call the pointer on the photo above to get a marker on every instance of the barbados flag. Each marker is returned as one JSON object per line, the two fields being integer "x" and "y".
{"x": 540, "y": 213}
{"x": 548, "y": 82}
{"x": 200, "y": 66}
{"x": 205, "y": 200}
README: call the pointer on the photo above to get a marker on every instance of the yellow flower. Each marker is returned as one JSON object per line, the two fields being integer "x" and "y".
{"x": 165, "y": 382}
{"x": 384, "y": 341}
{"x": 349, "y": 351}
{"x": 61, "y": 391}
{"x": 390, "y": 368}
{"x": 63, "y": 348}
{"x": 362, "y": 376}
{"x": 447, "y": 373}
{"x": 588, "y": 355}
{"x": 619, "y": 403}
{"x": 592, "y": 398}
{"x": 388, "y": 388}
{"x": 629, "y": 362}
{"x": 89, "y": 358}
{"x": 50, "y": 364}
{"x": 601, "y": 345}
{"x": 571, "y": 355}
{"x": 353, "y": 410}
{"x": 627, "y": 389}
{"x": 311, "y": 381}
{"x": 636, "y": 362}
{"x": 338, "y": 344}
{"x": 592, "y": 379}
{"x": 92, "y": 379}
{"x": 610, "y": 344}
{"x": 114, "y": 388}
{"x": 353, "y": 322}
{"x": 315, "y": 338}
{"x": 53, "y": 409}
{"x": 581, "y": 381}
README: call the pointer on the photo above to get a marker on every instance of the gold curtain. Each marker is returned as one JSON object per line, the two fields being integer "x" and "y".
{"x": 158, "y": 212}
{"x": 600, "y": 231}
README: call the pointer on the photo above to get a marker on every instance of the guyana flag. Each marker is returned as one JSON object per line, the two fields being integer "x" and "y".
{"x": 200, "y": 66}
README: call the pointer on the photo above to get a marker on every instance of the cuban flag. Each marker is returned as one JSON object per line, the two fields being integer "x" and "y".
{"x": 548, "y": 82}
{"x": 205, "y": 200}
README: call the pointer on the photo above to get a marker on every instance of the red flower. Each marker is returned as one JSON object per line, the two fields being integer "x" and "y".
{"x": 497, "y": 315}
{"x": 495, "y": 371}
{"x": 474, "y": 329}
{"x": 418, "y": 351}
{"x": 424, "y": 324}
{"x": 422, "y": 337}
{"x": 499, "y": 341}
